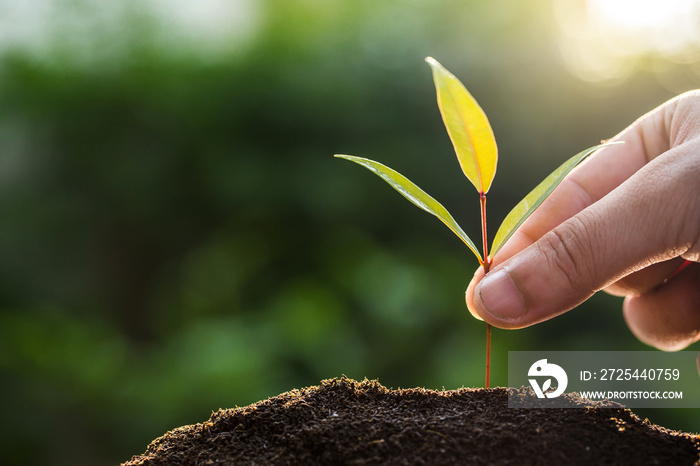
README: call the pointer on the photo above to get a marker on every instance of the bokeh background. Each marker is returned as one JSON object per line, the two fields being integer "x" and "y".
{"x": 176, "y": 237}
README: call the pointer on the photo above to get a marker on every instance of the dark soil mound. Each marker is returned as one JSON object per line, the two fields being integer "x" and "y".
{"x": 347, "y": 422}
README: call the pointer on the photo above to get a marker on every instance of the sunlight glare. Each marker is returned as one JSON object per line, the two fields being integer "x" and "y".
{"x": 651, "y": 24}
{"x": 601, "y": 39}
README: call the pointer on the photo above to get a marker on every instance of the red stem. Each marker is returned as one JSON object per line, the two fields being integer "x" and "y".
{"x": 487, "y": 262}
{"x": 678, "y": 270}
{"x": 487, "y": 265}
{"x": 488, "y": 355}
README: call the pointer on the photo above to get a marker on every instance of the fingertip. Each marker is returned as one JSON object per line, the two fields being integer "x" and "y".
{"x": 472, "y": 311}
{"x": 652, "y": 329}
{"x": 469, "y": 293}
{"x": 497, "y": 296}
{"x": 667, "y": 317}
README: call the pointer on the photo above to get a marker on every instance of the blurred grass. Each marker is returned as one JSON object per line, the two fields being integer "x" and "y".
{"x": 177, "y": 238}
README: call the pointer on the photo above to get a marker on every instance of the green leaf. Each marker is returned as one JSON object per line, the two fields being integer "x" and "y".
{"x": 536, "y": 197}
{"x": 414, "y": 194}
{"x": 468, "y": 127}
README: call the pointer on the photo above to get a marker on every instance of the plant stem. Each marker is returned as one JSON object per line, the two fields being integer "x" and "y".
{"x": 487, "y": 262}
{"x": 487, "y": 265}
{"x": 488, "y": 354}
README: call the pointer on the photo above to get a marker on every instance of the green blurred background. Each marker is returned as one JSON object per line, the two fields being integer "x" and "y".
{"x": 176, "y": 237}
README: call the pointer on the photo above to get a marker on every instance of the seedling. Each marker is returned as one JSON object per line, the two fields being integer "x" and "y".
{"x": 475, "y": 145}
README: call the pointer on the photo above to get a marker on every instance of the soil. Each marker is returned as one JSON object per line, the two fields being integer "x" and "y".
{"x": 342, "y": 421}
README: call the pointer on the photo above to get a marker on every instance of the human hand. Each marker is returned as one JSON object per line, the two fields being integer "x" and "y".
{"x": 623, "y": 221}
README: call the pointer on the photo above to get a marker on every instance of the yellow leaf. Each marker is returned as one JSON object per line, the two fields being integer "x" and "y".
{"x": 468, "y": 127}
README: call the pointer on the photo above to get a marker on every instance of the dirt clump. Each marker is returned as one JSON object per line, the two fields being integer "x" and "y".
{"x": 343, "y": 421}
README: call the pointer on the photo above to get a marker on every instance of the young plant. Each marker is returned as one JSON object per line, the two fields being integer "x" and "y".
{"x": 475, "y": 145}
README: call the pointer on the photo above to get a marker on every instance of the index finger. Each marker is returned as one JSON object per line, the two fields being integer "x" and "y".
{"x": 602, "y": 172}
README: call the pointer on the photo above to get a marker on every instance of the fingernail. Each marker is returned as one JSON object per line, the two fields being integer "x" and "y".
{"x": 499, "y": 296}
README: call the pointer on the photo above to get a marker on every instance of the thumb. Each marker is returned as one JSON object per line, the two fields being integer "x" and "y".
{"x": 651, "y": 217}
